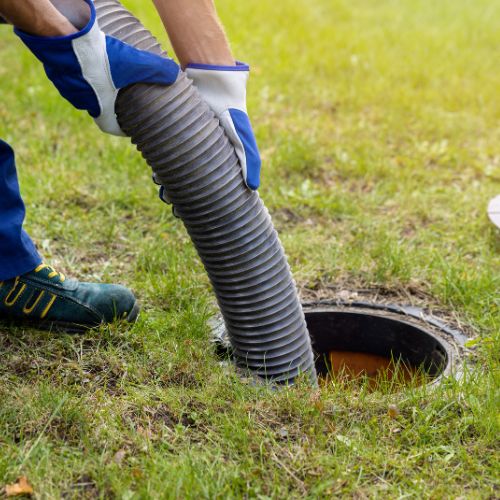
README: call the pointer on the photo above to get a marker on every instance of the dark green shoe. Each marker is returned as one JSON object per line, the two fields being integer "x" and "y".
{"x": 45, "y": 299}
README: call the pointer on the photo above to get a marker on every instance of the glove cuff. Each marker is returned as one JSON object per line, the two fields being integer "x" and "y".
{"x": 239, "y": 66}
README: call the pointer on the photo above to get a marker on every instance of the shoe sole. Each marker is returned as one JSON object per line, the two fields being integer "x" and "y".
{"x": 64, "y": 326}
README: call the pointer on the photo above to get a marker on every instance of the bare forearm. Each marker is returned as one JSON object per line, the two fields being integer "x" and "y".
{"x": 193, "y": 26}
{"x": 38, "y": 17}
{"x": 195, "y": 31}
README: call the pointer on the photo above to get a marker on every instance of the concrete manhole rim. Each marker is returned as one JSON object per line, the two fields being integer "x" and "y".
{"x": 452, "y": 339}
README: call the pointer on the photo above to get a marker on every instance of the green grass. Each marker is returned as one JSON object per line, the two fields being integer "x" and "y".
{"x": 379, "y": 126}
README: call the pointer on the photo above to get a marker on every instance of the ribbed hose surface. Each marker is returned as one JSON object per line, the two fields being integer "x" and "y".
{"x": 190, "y": 155}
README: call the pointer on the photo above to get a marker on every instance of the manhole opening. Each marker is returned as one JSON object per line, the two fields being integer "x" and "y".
{"x": 374, "y": 333}
{"x": 360, "y": 344}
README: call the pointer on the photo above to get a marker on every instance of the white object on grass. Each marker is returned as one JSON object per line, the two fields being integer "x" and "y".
{"x": 494, "y": 210}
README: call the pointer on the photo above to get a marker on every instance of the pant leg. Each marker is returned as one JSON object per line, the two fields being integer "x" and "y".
{"x": 18, "y": 254}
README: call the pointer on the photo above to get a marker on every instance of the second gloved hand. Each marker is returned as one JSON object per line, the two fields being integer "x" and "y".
{"x": 224, "y": 89}
{"x": 88, "y": 68}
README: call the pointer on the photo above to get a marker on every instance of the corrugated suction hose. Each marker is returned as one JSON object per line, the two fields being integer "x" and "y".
{"x": 191, "y": 157}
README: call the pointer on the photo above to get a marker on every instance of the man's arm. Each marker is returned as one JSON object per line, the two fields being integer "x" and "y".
{"x": 195, "y": 32}
{"x": 85, "y": 65}
{"x": 193, "y": 26}
{"x": 38, "y": 17}
{"x": 199, "y": 41}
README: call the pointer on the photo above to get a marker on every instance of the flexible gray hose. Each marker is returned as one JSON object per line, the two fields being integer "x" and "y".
{"x": 230, "y": 227}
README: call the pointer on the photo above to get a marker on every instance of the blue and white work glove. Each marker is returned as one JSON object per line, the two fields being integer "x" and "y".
{"x": 224, "y": 89}
{"x": 88, "y": 68}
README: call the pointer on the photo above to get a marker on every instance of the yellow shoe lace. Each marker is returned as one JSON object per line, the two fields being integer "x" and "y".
{"x": 53, "y": 273}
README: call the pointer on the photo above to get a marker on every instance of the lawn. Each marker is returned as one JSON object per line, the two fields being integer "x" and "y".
{"x": 378, "y": 123}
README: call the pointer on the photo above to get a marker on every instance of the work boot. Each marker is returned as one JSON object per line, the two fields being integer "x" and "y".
{"x": 45, "y": 299}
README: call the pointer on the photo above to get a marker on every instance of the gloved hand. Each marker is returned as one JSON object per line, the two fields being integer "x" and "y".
{"x": 224, "y": 90}
{"x": 88, "y": 68}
